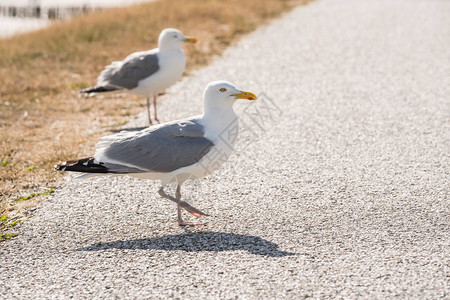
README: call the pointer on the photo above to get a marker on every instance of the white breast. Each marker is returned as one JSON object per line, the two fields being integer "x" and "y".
{"x": 171, "y": 66}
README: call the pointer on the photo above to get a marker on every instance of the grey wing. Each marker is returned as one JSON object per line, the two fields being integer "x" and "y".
{"x": 128, "y": 73}
{"x": 162, "y": 149}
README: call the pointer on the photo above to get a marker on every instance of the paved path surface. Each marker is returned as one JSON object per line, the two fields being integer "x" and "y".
{"x": 348, "y": 197}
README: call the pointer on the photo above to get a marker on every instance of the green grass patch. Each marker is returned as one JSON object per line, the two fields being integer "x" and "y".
{"x": 7, "y": 236}
{"x": 34, "y": 195}
{"x": 8, "y": 223}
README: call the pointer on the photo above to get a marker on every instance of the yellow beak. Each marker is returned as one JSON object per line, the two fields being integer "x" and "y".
{"x": 245, "y": 95}
{"x": 190, "y": 40}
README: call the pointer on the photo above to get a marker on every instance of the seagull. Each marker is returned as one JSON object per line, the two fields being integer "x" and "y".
{"x": 149, "y": 72}
{"x": 172, "y": 152}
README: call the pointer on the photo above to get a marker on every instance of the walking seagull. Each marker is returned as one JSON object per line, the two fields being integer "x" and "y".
{"x": 149, "y": 72}
{"x": 174, "y": 151}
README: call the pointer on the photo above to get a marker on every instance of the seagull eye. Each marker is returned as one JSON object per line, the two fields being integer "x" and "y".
{"x": 223, "y": 90}
{"x": 175, "y": 36}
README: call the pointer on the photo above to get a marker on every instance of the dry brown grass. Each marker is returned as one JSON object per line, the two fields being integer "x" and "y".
{"x": 42, "y": 119}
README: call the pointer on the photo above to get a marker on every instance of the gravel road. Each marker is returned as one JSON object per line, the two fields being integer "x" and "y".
{"x": 345, "y": 195}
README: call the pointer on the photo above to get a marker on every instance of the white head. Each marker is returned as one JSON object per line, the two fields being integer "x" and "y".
{"x": 222, "y": 94}
{"x": 173, "y": 38}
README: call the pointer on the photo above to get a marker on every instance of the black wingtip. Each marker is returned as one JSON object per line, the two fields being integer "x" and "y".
{"x": 85, "y": 165}
{"x": 99, "y": 89}
{"x": 61, "y": 167}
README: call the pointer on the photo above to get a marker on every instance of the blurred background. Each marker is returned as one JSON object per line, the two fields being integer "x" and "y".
{"x": 24, "y": 15}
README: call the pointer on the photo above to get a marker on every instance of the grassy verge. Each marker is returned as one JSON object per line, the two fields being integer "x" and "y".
{"x": 42, "y": 119}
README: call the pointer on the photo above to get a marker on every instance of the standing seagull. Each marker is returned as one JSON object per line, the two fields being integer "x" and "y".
{"x": 149, "y": 72}
{"x": 174, "y": 151}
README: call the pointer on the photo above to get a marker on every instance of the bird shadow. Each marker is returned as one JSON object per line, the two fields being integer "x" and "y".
{"x": 129, "y": 129}
{"x": 198, "y": 242}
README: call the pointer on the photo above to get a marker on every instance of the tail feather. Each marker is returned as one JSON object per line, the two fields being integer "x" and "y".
{"x": 99, "y": 89}
{"x": 85, "y": 165}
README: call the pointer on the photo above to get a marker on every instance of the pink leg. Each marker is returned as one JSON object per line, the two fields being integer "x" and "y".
{"x": 148, "y": 111}
{"x": 181, "y": 204}
{"x": 154, "y": 107}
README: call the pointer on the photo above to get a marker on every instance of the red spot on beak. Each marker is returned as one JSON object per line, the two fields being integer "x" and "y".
{"x": 250, "y": 98}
